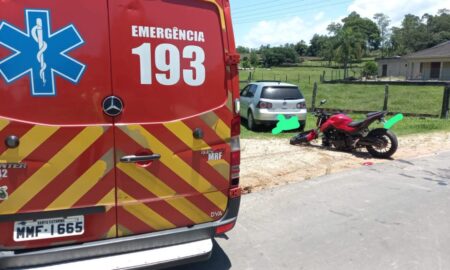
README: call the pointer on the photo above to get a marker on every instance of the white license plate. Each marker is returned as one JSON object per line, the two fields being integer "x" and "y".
{"x": 48, "y": 228}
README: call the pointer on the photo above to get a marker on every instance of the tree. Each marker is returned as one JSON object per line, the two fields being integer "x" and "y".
{"x": 316, "y": 44}
{"x": 412, "y": 36}
{"x": 349, "y": 47}
{"x": 301, "y": 48}
{"x": 383, "y": 22}
{"x": 370, "y": 69}
{"x": 278, "y": 55}
{"x": 254, "y": 59}
{"x": 242, "y": 50}
{"x": 365, "y": 28}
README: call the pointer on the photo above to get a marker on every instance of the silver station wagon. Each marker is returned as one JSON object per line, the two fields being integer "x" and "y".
{"x": 263, "y": 101}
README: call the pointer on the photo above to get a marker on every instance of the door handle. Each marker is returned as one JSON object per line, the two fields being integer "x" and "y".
{"x": 143, "y": 158}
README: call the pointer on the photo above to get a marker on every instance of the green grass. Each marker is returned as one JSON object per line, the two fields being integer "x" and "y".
{"x": 408, "y": 126}
{"x": 404, "y": 99}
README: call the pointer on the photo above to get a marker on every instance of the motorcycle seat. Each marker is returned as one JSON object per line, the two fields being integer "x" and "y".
{"x": 356, "y": 123}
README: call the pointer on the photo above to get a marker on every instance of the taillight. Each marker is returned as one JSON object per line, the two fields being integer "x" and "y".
{"x": 235, "y": 164}
{"x": 225, "y": 228}
{"x": 235, "y": 160}
{"x": 236, "y": 126}
{"x": 301, "y": 105}
{"x": 264, "y": 105}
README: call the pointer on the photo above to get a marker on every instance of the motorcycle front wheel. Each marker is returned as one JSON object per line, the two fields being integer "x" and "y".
{"x": 386, "y": 145}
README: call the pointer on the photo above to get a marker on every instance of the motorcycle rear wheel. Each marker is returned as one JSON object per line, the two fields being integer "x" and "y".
{"x": 387, "y": 150}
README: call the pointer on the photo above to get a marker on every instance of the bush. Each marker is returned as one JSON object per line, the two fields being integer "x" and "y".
{"x": 370, "y": 69}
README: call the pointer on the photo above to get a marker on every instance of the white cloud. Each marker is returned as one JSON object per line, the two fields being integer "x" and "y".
{"x": 319, "y": 16}
{"x": 397, "y": 9}
{"x": 279, "y": 32}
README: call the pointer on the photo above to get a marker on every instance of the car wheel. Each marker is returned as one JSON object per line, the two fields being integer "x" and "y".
{"x": 251, "y": 121}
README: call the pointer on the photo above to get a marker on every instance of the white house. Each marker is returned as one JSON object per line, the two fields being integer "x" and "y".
{"x": 428, "y": 64}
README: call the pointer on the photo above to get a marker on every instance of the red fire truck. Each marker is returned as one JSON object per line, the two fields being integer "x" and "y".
{"x": 119, "y": 132}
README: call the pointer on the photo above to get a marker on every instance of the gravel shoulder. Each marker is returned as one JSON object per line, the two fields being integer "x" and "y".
{"x": 274, "y": 162}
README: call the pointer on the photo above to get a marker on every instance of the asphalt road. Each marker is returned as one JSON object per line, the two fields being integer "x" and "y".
{"x": 390, "y": 216}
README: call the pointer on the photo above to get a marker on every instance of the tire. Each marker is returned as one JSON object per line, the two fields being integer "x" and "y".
{"x": 384, "y": 134}
{"x": 251, "y": 122}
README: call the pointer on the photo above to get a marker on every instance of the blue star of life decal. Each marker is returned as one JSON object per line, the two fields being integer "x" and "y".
{"x": 40, "y": 53}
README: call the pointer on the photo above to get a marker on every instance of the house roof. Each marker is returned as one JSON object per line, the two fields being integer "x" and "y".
{"x": 438, "y": 51}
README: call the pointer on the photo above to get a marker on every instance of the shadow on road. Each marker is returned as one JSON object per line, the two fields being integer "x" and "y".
{"x": 219, "y": 261}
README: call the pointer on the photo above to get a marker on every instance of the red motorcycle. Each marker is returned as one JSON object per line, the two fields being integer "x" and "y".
{"x": 341, "y": 132}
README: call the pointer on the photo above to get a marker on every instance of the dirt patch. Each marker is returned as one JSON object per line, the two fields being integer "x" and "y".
{"x": 268, "y": 163}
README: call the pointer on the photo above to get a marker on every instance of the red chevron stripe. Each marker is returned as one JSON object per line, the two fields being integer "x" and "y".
{"x": 193, "y": 159}
{"x": 42, "y": 154}
{"x": 157, "y": 204}
{"x": 171, "y": 179}
{"x": 98, "y": 192}
{"x": 44, "y": 198}
{"x": 14, "y": 128}
{"x": 132, "y": 223}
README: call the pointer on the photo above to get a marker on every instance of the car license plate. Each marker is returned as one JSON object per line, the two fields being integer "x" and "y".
{"x": 48, "y": 228}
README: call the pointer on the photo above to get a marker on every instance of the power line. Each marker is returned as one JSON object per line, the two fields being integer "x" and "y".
{"x": 252, "y": 5}
{"x": 263, "y": 6}
{"x": 285, "y": 13}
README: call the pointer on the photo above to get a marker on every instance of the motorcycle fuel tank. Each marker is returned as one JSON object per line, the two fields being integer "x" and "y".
{"x": 338, "y": 121}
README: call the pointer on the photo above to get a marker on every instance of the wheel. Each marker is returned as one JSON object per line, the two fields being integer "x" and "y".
{"x": 251, "y": 122}
{"x": 389, "y": 146}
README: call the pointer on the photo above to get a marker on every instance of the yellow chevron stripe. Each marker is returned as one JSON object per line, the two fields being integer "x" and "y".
{"x": 221, "y": 129}
{"x": 144, "y": 213}
{"x": 184, "y": 133}
{"x": 84, "y": 183}
{"x": 45, "y": 175}
{"x": 3, "y": 123}
{"x": 213, "y": 195}
{"x": 163, "y": 191}
{"x": 112, "y": 232}
{"x": 173, "y": 162}
{"x": 109, "y": 200}
{"x": 221, "y": 166}
{"x": 28, "y": 143}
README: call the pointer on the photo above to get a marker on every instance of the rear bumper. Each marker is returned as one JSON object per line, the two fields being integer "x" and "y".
{"x": 264, "y": 115}
{"x": 107, "y": 251}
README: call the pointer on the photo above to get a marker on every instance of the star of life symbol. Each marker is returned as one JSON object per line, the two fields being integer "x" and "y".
{"x": 40, "y": 53}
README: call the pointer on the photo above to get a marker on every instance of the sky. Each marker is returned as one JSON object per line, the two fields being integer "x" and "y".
{"x": 277, "y": 22}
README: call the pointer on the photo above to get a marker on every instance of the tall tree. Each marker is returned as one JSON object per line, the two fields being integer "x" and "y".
{"x": 383, "y": 22}
{"x": 365, "y": 28}
{"x": 349, "y": 47}
{"x": 301, "y": 48}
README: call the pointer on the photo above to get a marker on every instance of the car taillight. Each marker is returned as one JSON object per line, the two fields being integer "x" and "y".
{"x": 264, "y": 105}
{"x": 301, "y": 105}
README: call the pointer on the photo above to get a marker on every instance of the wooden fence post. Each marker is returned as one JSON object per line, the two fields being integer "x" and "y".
{"x": 313, "y": 105}
{"x": 286, "y": 77}
{"x": 309, "y": 79}
{"x": 323, "y": 77}
{"x": 445, "y": 102}
{"x": 386, "y": 97}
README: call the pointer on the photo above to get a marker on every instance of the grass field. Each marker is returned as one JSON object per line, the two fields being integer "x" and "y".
{"x": 410, "y": 125}
{"x": 404, "y": 99}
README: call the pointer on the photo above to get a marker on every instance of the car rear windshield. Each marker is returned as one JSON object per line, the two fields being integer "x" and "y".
{"x": 281, "y": 93}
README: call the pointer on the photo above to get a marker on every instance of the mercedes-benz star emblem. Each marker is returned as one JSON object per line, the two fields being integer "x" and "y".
{"x": 112, "y": 106}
